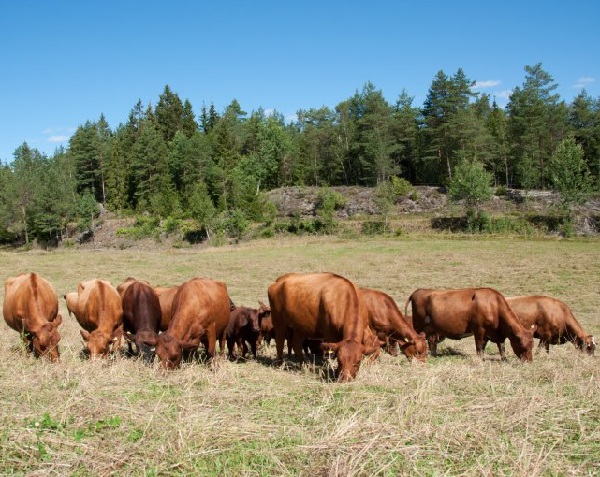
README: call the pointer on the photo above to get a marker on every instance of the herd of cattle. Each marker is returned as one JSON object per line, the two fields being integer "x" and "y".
{"x": 323, "y": 312}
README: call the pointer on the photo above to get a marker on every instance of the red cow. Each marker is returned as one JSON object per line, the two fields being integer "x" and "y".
{"x": 98, "y": 309}
{"x": 141, "y": 315}
{"x": 31, "y": 308}
{"x": 200, "y": 313}
{"x": 554, "y": 320}
{"x": 321, "y": 306}
{"x": 482, "y": 312}
{"x": 390, "y": 325}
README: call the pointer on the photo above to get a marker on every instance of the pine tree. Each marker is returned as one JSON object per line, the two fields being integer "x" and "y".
{"x": 584, "y": 120}
{"x": 537, "y": 120}
{"x": 405, "y": 131}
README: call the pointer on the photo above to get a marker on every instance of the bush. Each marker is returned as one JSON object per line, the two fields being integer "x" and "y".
{"x": 373, "y": 228}
{"x": 401, "y": 187}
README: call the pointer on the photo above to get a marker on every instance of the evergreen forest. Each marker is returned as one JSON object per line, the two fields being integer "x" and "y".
{"x": 172, "y": 162}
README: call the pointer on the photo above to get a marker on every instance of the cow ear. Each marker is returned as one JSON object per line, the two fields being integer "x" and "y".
{"x": 85, "y": 334}
{"x": 373, "y": 346}
{"x": 57, "y": 321}
{"x": 188, "y": 345}
{"x": 325, "y": 347}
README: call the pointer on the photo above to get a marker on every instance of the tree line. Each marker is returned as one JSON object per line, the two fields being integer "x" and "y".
{"x": 214, "y": 167}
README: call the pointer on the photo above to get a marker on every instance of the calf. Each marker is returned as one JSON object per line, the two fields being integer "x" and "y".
{"x": 242, "y": 328}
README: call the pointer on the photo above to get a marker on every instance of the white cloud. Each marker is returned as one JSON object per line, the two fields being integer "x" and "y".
{"x": 58, "y": 138}
{"x": 486, "y": 84}
{"x": 583, "y": 82}
{"x": 503, "y": 94}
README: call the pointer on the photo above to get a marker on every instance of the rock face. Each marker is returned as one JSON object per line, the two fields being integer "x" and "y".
{"x": 292, "y": 201}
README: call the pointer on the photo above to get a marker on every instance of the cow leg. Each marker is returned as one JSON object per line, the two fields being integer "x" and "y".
{"x": 480, "y": 342}
{"x": 432, "y": 342}
{"x": 211, "y": 340}
{"x": 244, "y": 348}
{"x": 297, "y": 345}
{"x": 230, "y": 345}
{"x": 502, "y": 350}
{"x": 279, "y": 343}
{"x": 253, "y": 346}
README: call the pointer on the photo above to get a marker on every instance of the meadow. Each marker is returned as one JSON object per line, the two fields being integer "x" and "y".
{"x": 454, "y": 415}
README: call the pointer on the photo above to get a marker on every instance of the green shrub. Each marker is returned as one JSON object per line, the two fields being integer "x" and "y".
{"x": 401, "y": 187}
{"x": 373, "y": 227}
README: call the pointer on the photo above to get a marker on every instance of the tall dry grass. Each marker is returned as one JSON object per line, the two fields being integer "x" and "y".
{"x": 455, "y": 415}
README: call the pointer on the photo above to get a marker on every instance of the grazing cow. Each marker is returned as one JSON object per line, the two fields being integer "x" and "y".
{"x": 390, "y": 325}
{"x": 98, "y": 308}
{"x": 200, "y": 313}
{"x": 554, "y": 320}
{"x": 321, "y": 306}
{"x": 141, "y": 315}
{"x": 244, "y": 327}
{"x": 482, "y": 312}
{"x": 31, "y": 308}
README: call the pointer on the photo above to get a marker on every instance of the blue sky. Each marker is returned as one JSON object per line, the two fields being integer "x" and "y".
{"x": 63, "y": 63}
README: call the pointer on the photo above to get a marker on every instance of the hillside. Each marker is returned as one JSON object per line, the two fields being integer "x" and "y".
{"x": 426, "y": 211}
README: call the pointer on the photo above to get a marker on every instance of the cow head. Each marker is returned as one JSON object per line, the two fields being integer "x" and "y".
{"x": 349, "y": 354}
{"x": 45, "y": 339}
{"x": 145, "y": 341}
{"x": 522, "y": 343}
{"x": 415, "y": 348}
{"x": 588, "y": 345}
{"x": 265, "y": 323}
{"x": 253, "y": 322}
{"x": 170, "y": 350}
{"x": 97, "y": 342}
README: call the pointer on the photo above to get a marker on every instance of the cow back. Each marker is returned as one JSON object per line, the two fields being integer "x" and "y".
{"x": 99, "y": 306}
{"x": 198, "y": 304}
{"x": 320, "y": 305}
{"x": 141, "y": 308}
{"x": 29, "y": 302}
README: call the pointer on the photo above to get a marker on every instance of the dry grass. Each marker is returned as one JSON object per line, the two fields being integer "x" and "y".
{"x": 456, "y": 415}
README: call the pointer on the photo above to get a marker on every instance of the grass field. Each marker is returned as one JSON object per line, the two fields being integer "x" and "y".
{"x": 455, "y": 415}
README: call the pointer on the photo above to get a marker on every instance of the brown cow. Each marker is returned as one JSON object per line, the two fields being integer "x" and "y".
{"x": 31, "y": 308}
{"x": 321, "y": 306}
{"x": 482, "y": 312}
{"x": 554, "y": 320}
{"x": 141, "y": 315}
{"x": 200, "y": 313}
{"x": 244, "y": 327}
{"x": 99, "y": 311}
{"x": 390, "y": 325}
